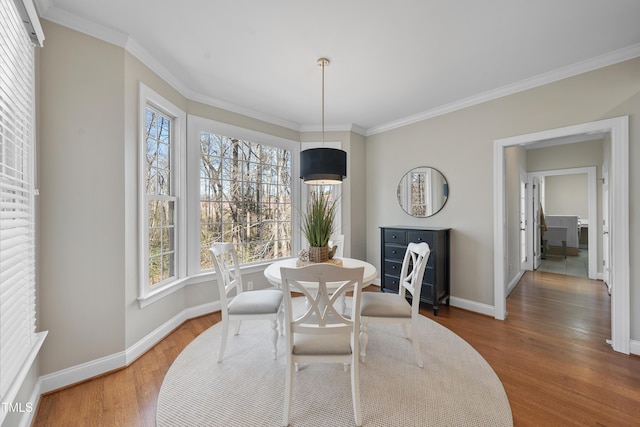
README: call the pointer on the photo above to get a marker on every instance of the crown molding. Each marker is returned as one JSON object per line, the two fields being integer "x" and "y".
{"x": 602, "y": 61}
{"x": 59, "y": 16}
{"x": 335, "y": 128}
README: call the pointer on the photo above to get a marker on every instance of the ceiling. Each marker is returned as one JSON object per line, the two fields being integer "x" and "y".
{"x": 392, "y": 63}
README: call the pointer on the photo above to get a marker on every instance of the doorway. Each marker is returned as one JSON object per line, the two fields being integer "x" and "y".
{"x": 617, "y": 129}
{"x": 536, "y": 180}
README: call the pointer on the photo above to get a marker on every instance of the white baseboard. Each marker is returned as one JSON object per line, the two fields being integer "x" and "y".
{"x": 512, "y": 284}
{"x": 85, "y": 371}
{"x": 462, "y": 303}
{"x": 476, "y": 307}
{"x": 94, "y": 368}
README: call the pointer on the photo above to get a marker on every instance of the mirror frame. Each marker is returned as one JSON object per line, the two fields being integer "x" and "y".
{"x": 403, "y": 188}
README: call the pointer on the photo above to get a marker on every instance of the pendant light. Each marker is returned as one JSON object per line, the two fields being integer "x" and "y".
{"x": 323, "y": 166}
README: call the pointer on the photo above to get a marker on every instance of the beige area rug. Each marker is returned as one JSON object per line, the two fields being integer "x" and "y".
{"x": 457, "y": 387}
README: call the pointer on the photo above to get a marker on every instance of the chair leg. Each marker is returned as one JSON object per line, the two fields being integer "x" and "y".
{"x": 238, "y": 327}
{"x": 223, "y": 340}
{"x": 355, "y": 390}
{"x": 288, "y": 393}
{"x": 274, "y": 338}
{"x": 415, "y": 342}
{"x": 405, "y": 331}
{"x": 281, "y": 320}
{"x": 364, "y": 340}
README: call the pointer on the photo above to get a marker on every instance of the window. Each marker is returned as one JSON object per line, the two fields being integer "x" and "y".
{"x": 161, "y": 199}
{"x": 245, "y": 198}
{"x": 227, "y": 184}
{"x": 162, "y": 204}
{"x": 19, "y": 342}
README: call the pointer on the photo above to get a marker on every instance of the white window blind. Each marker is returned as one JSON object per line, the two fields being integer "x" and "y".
{"x": 18, "y": 338}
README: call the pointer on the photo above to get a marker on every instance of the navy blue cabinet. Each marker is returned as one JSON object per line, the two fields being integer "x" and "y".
{"x": 435, "y": 283}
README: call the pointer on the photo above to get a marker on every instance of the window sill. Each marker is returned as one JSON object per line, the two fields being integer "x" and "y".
{"x": 17, "y": 383}
{"x": 208, "y": 276}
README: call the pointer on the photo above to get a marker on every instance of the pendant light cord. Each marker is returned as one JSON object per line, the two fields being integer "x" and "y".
{"x": 324, "y": 61}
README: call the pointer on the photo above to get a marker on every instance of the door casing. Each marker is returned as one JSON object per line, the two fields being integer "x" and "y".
{"x": 618, "y": 129}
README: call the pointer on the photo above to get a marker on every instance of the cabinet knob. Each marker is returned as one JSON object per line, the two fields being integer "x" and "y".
{"x": 393, "y": 268}
{"x": 394, "y": 251}
{"x": 394, "y": 237}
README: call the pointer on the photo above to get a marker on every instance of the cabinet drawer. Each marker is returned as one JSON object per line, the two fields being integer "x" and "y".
{"x": 391, "y": 283}
{"x": 394, "y": 252}
{"x": 392, "y": 268}
{"x": 421, "y": 236}
{"x": 395, "y": 236}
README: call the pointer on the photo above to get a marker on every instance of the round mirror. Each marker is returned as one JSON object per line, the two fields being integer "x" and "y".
{"x": 423, "y": 191}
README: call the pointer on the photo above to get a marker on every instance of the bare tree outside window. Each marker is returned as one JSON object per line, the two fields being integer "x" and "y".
{"x": 160, "y": 198}
{"x": 245, "y": 198}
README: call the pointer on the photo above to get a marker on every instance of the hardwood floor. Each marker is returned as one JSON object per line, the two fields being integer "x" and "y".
{"x": 550, "y": 354}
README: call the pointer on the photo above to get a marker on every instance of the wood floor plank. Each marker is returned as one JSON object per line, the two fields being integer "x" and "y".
{"x": 550, "y": 354}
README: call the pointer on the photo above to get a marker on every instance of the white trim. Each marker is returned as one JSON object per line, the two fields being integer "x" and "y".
{"x": 34, "y": 398}
{"x": 601, "y": 61}
{"x": 474, "y": 306}
{"x": 619, "y": 220}
{"x": 207, "y": 276}
{"x": 592, "y": 210}
{"x": 512, "y": 284}
{"x": 18, "y": 381}
{"x": 146, "y": 96}
{"x": 62, "y": 17}
{"x": 29, "y": 16}
{"x": 85, "y": 371}
{"x": 103, "y": 365}
{"x": 197, "y": 124}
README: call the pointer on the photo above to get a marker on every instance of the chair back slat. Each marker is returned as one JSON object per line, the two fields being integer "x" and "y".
{"x": 413, "y": 267}
{"x": 323, "y": 332}
{"x": 225, "y": 263}
{"x": 322, "y": 313}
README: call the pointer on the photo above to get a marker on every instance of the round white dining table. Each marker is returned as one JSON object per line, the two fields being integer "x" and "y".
{"x": 272, "y": 273}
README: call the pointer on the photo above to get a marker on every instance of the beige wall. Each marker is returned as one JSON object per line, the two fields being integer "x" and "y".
{"x": 87, "y": 142}
{"x": 460, "y": 144}
{"x": 88, "y": 208}
{"x": 567, "y": 195}
{"x": 81, "y": 177}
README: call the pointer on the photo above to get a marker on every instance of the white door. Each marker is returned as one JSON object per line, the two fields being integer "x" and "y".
{"x": 537, "y": 237}
{"x": 605, "y": 225}
{"x": 522, "y": 214}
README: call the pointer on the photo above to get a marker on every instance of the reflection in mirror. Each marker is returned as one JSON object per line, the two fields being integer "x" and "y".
{"x": 423, "y": 191}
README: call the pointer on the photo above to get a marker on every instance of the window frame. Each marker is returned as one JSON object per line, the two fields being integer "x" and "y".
{"x": 196, "y": 125}
{"x": 148, "y": 97}
{"x": 186, "y": 170}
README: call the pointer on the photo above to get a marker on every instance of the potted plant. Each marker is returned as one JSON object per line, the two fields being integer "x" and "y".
{"x": 317, "y": 226}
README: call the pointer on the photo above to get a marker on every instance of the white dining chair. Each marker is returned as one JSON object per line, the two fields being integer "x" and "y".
{"x": 320, "y": 333}
{"x": 263, "y": 304}
{"x": 394, "y": 308}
